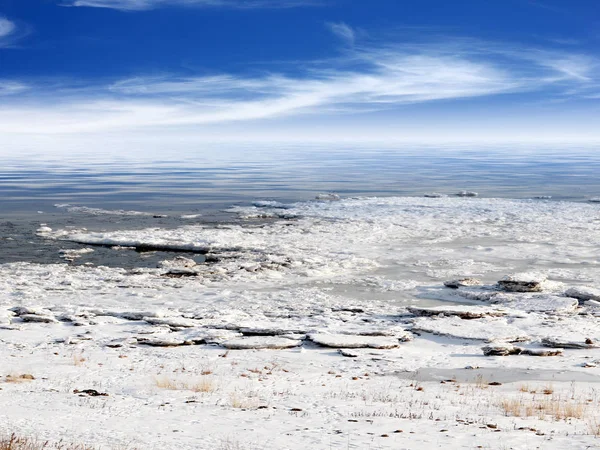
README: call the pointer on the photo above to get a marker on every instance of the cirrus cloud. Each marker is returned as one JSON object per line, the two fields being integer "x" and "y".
{"x": 141, "y": 5}
{"x": 362, "y": 80}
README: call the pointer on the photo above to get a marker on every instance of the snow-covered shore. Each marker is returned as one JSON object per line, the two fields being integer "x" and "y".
{"x": 329, "y": 327}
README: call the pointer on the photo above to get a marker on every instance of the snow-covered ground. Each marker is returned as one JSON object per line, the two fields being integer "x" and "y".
{"x": 322, "y": 324}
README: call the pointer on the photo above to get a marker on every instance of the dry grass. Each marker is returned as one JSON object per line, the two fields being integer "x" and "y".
{"x": 78, "y": 358}
{"x": 14, "y": 442}
{"x": 548, "y": 390}
{"x": 240, "y": 401}
{"x": 554, "y": 407}
{"x": 12, "y": 378}
{"x": 594, "y": 427}
{"x": 204, "y": 385}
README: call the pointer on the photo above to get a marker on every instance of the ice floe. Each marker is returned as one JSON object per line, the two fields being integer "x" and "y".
{"x": 583, "y": 293}
{"x": 261, "y": 342}
{"x": 551, "y": 304}
{"x": 353, "y": 341}
{"x": 488, "y": 329}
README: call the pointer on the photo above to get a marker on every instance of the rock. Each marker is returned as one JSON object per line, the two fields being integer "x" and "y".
{"x": 462, "y": 282}
{"x": 464, "y": 312}
{"x": 549, "y": 304}
{"x": 38, "y": 318}
{"x": 523, "y": 282}
{"x": 467, "y": 194}
{"x": 557, "y": 343}
{"x": 583, "y": 293}
{"x": 260, "y": 342}
{"x": 353, "y": 341}
{"x": 348, "y": 353}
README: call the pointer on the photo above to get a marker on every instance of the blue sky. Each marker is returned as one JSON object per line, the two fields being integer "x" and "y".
{"x": 300, "y": 70}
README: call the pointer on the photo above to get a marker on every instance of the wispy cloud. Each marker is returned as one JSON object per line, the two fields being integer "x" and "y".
{"x": 6, "y": 27}
{"x": 141, "y": 5}
{"x": 364, "y": 79}
{"x": 11, "y": 32}
{"x": 8, "y": 87}
{"x": 7, "y": 31}
{"x": 343, "y": 31}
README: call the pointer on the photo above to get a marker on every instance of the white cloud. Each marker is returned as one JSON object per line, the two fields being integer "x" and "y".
{"x": 6, "y": 27}
{"x": 343, "y": 31}
{"x": 8, "y": 87}
{"x": 141, "y": 5}
{"x": 366, "y": 79}
{"x": 7, "y": 31}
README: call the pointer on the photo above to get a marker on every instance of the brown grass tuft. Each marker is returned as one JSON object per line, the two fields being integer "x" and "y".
{"x": 553, "y": 407}
{"x": 12, "y": 378}
{"x": 204, "y": 385}
{"x": 14, "y": 442}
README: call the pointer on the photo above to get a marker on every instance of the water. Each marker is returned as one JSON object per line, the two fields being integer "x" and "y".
{"x": 205, "y": 180}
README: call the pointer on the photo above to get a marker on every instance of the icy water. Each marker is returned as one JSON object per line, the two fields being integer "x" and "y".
{"x": 200, "y": 184}
{"x": 201, "y": 179}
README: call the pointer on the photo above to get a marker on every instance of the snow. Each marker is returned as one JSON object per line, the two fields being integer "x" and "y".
{"x": 245, "y": 355}
{"x": 350, "y": 341}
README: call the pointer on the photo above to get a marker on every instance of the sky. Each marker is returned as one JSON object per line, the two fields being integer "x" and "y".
{"x": 299, "y": 71}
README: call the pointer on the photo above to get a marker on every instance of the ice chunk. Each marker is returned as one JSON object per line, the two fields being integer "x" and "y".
{"x": 464, "y": 312}
{"x": 327, "y": 197}
{"x": 261, "y": 342}
{"x": 523, "y": 282}
{"x": 560, "y": 343}
{"x": 38, "y": 318}
{"x": 544, "y": 303}
{"x": 462, "y": 282}
{"x": 486, "y": 329}
{"x": 583, "y": 293}
{"x": 433, "y": 195}
{"x": 173, "y": 322}
{"x": 163, "y": 341}
{"x": 353, "y": 341}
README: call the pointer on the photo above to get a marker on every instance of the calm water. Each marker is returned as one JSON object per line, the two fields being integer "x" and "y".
{"x": 203, "y": 179}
